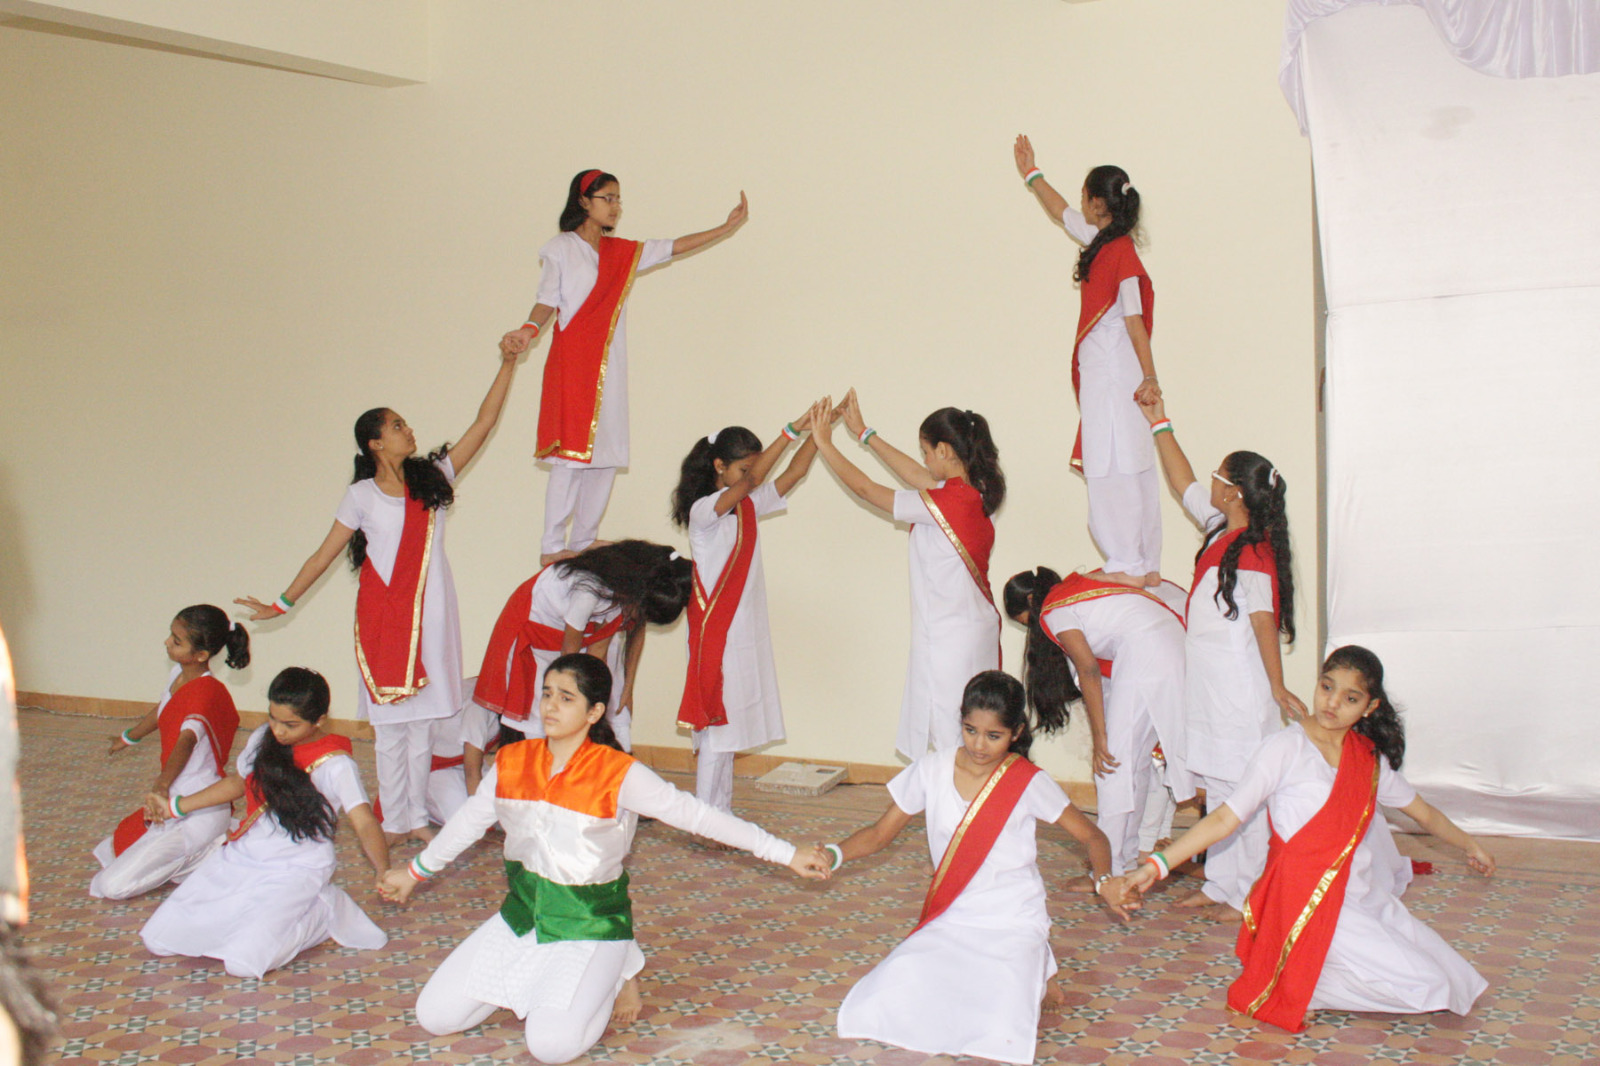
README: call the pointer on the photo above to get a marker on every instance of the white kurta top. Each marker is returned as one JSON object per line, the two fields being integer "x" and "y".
{"x": 1381, "y": 958}
{"x": 1116, "y": 437}
{"x": 970, "y": 981}
{"x": 382, "y": 518}
{"x": 955, "y": 633}
{"x": 749, "y": 676}
{"x": 558, "y": 601}
{"x": 571, "y": 267}
{"x": 1230, "y": 704}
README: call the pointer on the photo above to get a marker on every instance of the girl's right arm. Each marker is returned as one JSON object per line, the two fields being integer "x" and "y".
{"x": 518, "y": 340}
{"x": 374, "y": 844}
{"x": 1265, "y": 626}
{"x": 899, "y": 463}
{"x": 879, "y": 496}
{"x": 471, "y": 820}
{"x": 874, "y": 837}
{"x": 1207, "y": 831}
{"x": 313, "y": 568}
{"x": 135, "y": 732}
{"x": 1180, "y": 475}
{"x": 1077, "y": 648}
{"x": 1053, "y": 201}
{"x": 227, "y": 790}
{"x": 1436, "y": 822}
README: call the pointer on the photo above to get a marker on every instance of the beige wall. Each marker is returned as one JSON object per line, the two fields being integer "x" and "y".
{"x": 210, "y": 268}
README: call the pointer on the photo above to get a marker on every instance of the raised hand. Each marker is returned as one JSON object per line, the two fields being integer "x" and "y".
{"x": 259, "y": 612}
{"x": 1155, "y": 410}
{"x": 820, "y": 421}
{"x": 1023, "y": 150}
{"x": 739, "y": 215}
{"x": 850, "y": 409}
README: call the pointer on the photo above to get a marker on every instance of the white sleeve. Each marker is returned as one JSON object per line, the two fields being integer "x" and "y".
{"x": 1263, "y": 774}
{"x": 1077, "y": 226}
{"x": 447, "y": 467}
{"x": 909, "y": 507}
{"x": 1061, "y": 619}
{"x": 655, "y": 253}
{"x": 1197, "y": 501}
{"x": 1128, "y": 299}
{"x": 1252, "y": 591}
{"x": 1393, "y": 788}
{"x": 908, "y": 789}
{"x": 478, "y": 725}
{"x": 1044, "y": 798}
{"x": 703, "y": 513}
{"x": 339, "y": 779}
{"x": 549, "y": 292}
{"x": 350, "y": 512}
{"x": 581, "y": 607}
{"x": 644, "y": 792}
{"x": 767, "y": 500}
{"x": 247, "y": 756}
{"x": 465, "y": 827}
{"x": 197, "y": 726}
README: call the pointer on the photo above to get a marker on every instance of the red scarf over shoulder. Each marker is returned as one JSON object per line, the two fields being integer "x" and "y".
{"x": 307, "y": 756}
{"x": 389, "y": 616}
{"x": 205, "y": 699}
{"x": 1293, "y": 909}
{"x": 505, "y": 683}
{"x": 1115, "y": 262}
{"x": 958, "y": 508}
{"x": 575, "y": 369}
{"x": 1258, "y": 557}
{"x": 1078, "y": 588}
{"x": 979, "y": 829}
{"x": 710, "y": 616}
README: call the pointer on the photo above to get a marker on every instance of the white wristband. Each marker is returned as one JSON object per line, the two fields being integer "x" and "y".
{"x": 837, "y": 853}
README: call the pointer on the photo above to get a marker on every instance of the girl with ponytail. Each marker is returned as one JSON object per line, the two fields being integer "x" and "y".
{"x": 267, "y": 894}
{"x": 1324, "y": 927}
{"x": 1240, "y": 603}
{"x": 408, "y": 631}
{"x": 583, "y": 410}
{"x": 1113, "y": 370}
{"x": 195, "y": 721}
{"x": 1119, "y": 650}
{"x": 955, "y": 491}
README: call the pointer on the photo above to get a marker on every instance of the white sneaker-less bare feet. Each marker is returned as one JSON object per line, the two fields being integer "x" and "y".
{"x": 625, "y": 1011}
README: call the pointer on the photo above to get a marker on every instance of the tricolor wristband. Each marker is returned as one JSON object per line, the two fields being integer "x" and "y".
{"x": 126, "y": 739}
{"x": 1160, "y": 862}
{"x": 173, "y": 808}
{"x": 838, "y": 855}
{"x": 282, "y": 604}
{"x": 789, "y": 432}
{"x": 1163, "y": 426}
{"x": 418, "y": 871}
{"x": 1032, "y": 176}
{"x": 531, "y": 324}
{"x": 866, "y": 435}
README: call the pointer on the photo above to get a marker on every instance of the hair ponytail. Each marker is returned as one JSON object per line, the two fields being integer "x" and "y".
{"x": 1382, "y": 725}
{"x": 302, "y": 811}
{"x": 211, "y": 631}
{"x": 967, "y": 433}
{"x": 1046, "y": 670}
{"x": 1111, "y": 184}
{"x": 1263, "y": 490}
{"x": 697, "y": 477}
{"x": 425, "y": 482}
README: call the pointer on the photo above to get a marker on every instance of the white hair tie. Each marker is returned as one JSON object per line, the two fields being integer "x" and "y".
{"x": 674, "y": 557}
{"x": 711, "y": 438}
{"x": 1127, "y": 187}
{"x": 1272, "y": 477}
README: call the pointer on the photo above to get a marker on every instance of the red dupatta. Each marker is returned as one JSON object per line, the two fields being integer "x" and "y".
{"x": 1115, "y": 262}
{"x": 575, "y": 370}
{"x": 1293, "y": 909}
{"x": 389, "y": 616}
{"x": 979, "y": 829}
{"x": 958, "y": 508}
{"x": 505, "y": 682}
{"x": 710, "y": 617}
{"x": 1080, "y": 588}
{"x": 204, "y": 699}
{"x": 307, "y": 756}
{"x": 1258, "y": 557}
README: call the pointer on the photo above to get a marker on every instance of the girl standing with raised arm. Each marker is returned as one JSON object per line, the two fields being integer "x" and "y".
{"x": 1113, "y": 370}
{"x": 583, "y": 410}
{"x": 730, "y": 691}
{"x": 955, "y": 627}
{"x": 408, "y": 631}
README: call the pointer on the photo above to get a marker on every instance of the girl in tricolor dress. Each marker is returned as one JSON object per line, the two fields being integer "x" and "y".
{"x": 1240, "y": 602}
{"x": 1113, "y": 370}
{"x": 267, "y": 894}
{"x": 1120, "y": 650}
{"x": 560, "y": 952}
{"x": 730, "y": 690}
{"x": 972, "y": 975}
{"x": 1324, "y": 928}
{"x": 598, "y": 601}
{"x": 196, "y": 721}
{"x": 955, "y": 628}
{"x": 408, "y": 630}
{"x": 583, "y": 410}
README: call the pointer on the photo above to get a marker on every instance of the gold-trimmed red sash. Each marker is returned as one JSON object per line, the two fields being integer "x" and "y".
{"x": 204, "y": 699}
{"x": 389, "y": 615}
{"x": 506, "y": 679}
{"x": 307, "y": 756}
{"x": 1080, "y": 588}
{"x": 1257, "y": 557}
{"x": 710, "y": 617}
{"x": 980, "y": 827}
{"x": 958, "y": 509}
{"x": 1117, "y": 261}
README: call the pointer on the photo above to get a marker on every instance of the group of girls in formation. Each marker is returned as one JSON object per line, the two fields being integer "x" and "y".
{"x": 539, "y": 740}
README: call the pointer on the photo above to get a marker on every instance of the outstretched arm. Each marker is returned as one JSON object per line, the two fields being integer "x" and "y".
{"x": 462, "y": 451}
{"x": 310, "y": 571}
{"x": 1435, "y": 822}
{"x": 1180, "y": 475}
{"x": 759, "y": 469}
{"x": 135, "y": 732}
{"x": 1149, "y": 390}
{"x": 899, "y": 463}
{"x": 879, "y": 496}
{"x": 1054, "y": 203}
{"x": 1110, "y": 885}
{"x": 736, "y": 218}
{"x": 803, "y": 458}
{"x": 875, "y": 837}
{"x": 1207, "y": 831}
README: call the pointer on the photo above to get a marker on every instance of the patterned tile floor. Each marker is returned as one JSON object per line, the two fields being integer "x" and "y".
{"x": 747, "y": 964}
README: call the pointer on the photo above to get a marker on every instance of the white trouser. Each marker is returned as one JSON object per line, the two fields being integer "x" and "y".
{"x": 166, "y": 852}
{"x": 1234, "y": 864}
{"x": 404, "y": 754}
{"x": 447, "y": 791}
{"x": 1159, "y": 809}
{"x": 443, "y": 1006}
{"x": 578, "y": 494}
{"x": 1125, "y": 520}
{"x": 1119, "y": 795}
{"x": 713, "y": 778}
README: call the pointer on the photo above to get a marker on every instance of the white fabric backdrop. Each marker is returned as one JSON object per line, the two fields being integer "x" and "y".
{"x": 1460, "y": 225}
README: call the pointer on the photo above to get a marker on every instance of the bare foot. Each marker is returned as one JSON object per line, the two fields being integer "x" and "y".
{"x": 1198, "y": 898}
{"x": 1082, "y": 883}
{"x": 1121, "y": 578}
{"x": 1053, "y": 996}
{"x": 1221, "y": 912}
{"x": 555, "y": 557}
{"x": 626, "y": 1009}
{"x": 1152, "y": 579}
{"x": 424, "y": 833}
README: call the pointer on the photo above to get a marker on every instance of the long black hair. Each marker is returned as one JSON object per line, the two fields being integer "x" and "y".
{"x": 698, "y": 475}
{"x": 425, "y": 482}
{"x": 574, "y": 213}
{"x": 1111, "y": 184}
{"x": 648, "y": 583}
{"x": 1000, "y": 693}
{"x": 967, "y": 434}
{"x": 1046, "y": 670}
{"x": 304, "y": 813}
{"x": 1263, "y": 489}
{"x": 593, "y": 678}
{"x": 210, "y": 630}
{"x": 1383, "y": 726}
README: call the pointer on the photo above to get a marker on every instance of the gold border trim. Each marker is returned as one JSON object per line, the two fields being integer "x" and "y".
{"x": 966, "y": 823}
{"x": 395, "y": 693}
{"x": 961, "y": 549}
{"x": 707, "y": 606}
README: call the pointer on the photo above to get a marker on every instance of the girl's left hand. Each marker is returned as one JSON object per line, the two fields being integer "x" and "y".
{"x": 1022, "y": 149}
{"x": 259, "y": 612}
{"x": 1148, "y": 392}
{"x": 1479, "y": 860}
{"x": 1118, "y": 898}
{"x": 812, "y": 862}
{"x": 820, "y": 419}
{"x": 1289, "y": 706}
{"x": 396, "y": 885}
{"x": 1104, "y": 762}
{"x": 155, "y": 804}
{"x": 739, "y": 215}
{"x": 850, "y": 408}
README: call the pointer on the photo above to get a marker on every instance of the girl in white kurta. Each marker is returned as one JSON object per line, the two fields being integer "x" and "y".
{"x": 730, "y": 697}
{"x": 267, "y": 894}
{"x": 1380, "y": 958}
{"x": 1077, "y": 630}
{"x": 392, "y": 519}
{"x": 1241, "y": 601}
{"x": 970, "y": 979}
{"x": 561, "y": 948}
{"x": 955, "y": 628}
{"x": 196, "y": 732}
{"x": 583, "y": 470}
{"x": 1113, "y": 368}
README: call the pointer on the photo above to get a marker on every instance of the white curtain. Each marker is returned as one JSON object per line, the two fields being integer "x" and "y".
{"x": 1460, "y": 225}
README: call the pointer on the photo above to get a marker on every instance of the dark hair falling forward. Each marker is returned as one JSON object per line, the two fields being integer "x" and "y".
{"x": 1046, "y": 670}
{"x": 593, "y": 678}
{"x": 1106, "y": 183}
{"x": 573, "y": 214}
{"x": 1383, "y": 726}
{"x": 1000, "y": 693}
{"x": 304, "y": 813}
{"x": 211, "y": 631}
{"x": 697, "y": 476}
{"x": 641, "y": 579}
{"x": 1263, "y": 489}
{"x": 967, "y": 433}
{"x": 425, "y": 482}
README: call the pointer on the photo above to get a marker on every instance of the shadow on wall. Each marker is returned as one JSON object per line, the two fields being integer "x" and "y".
{"x": 16, "y": 585}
